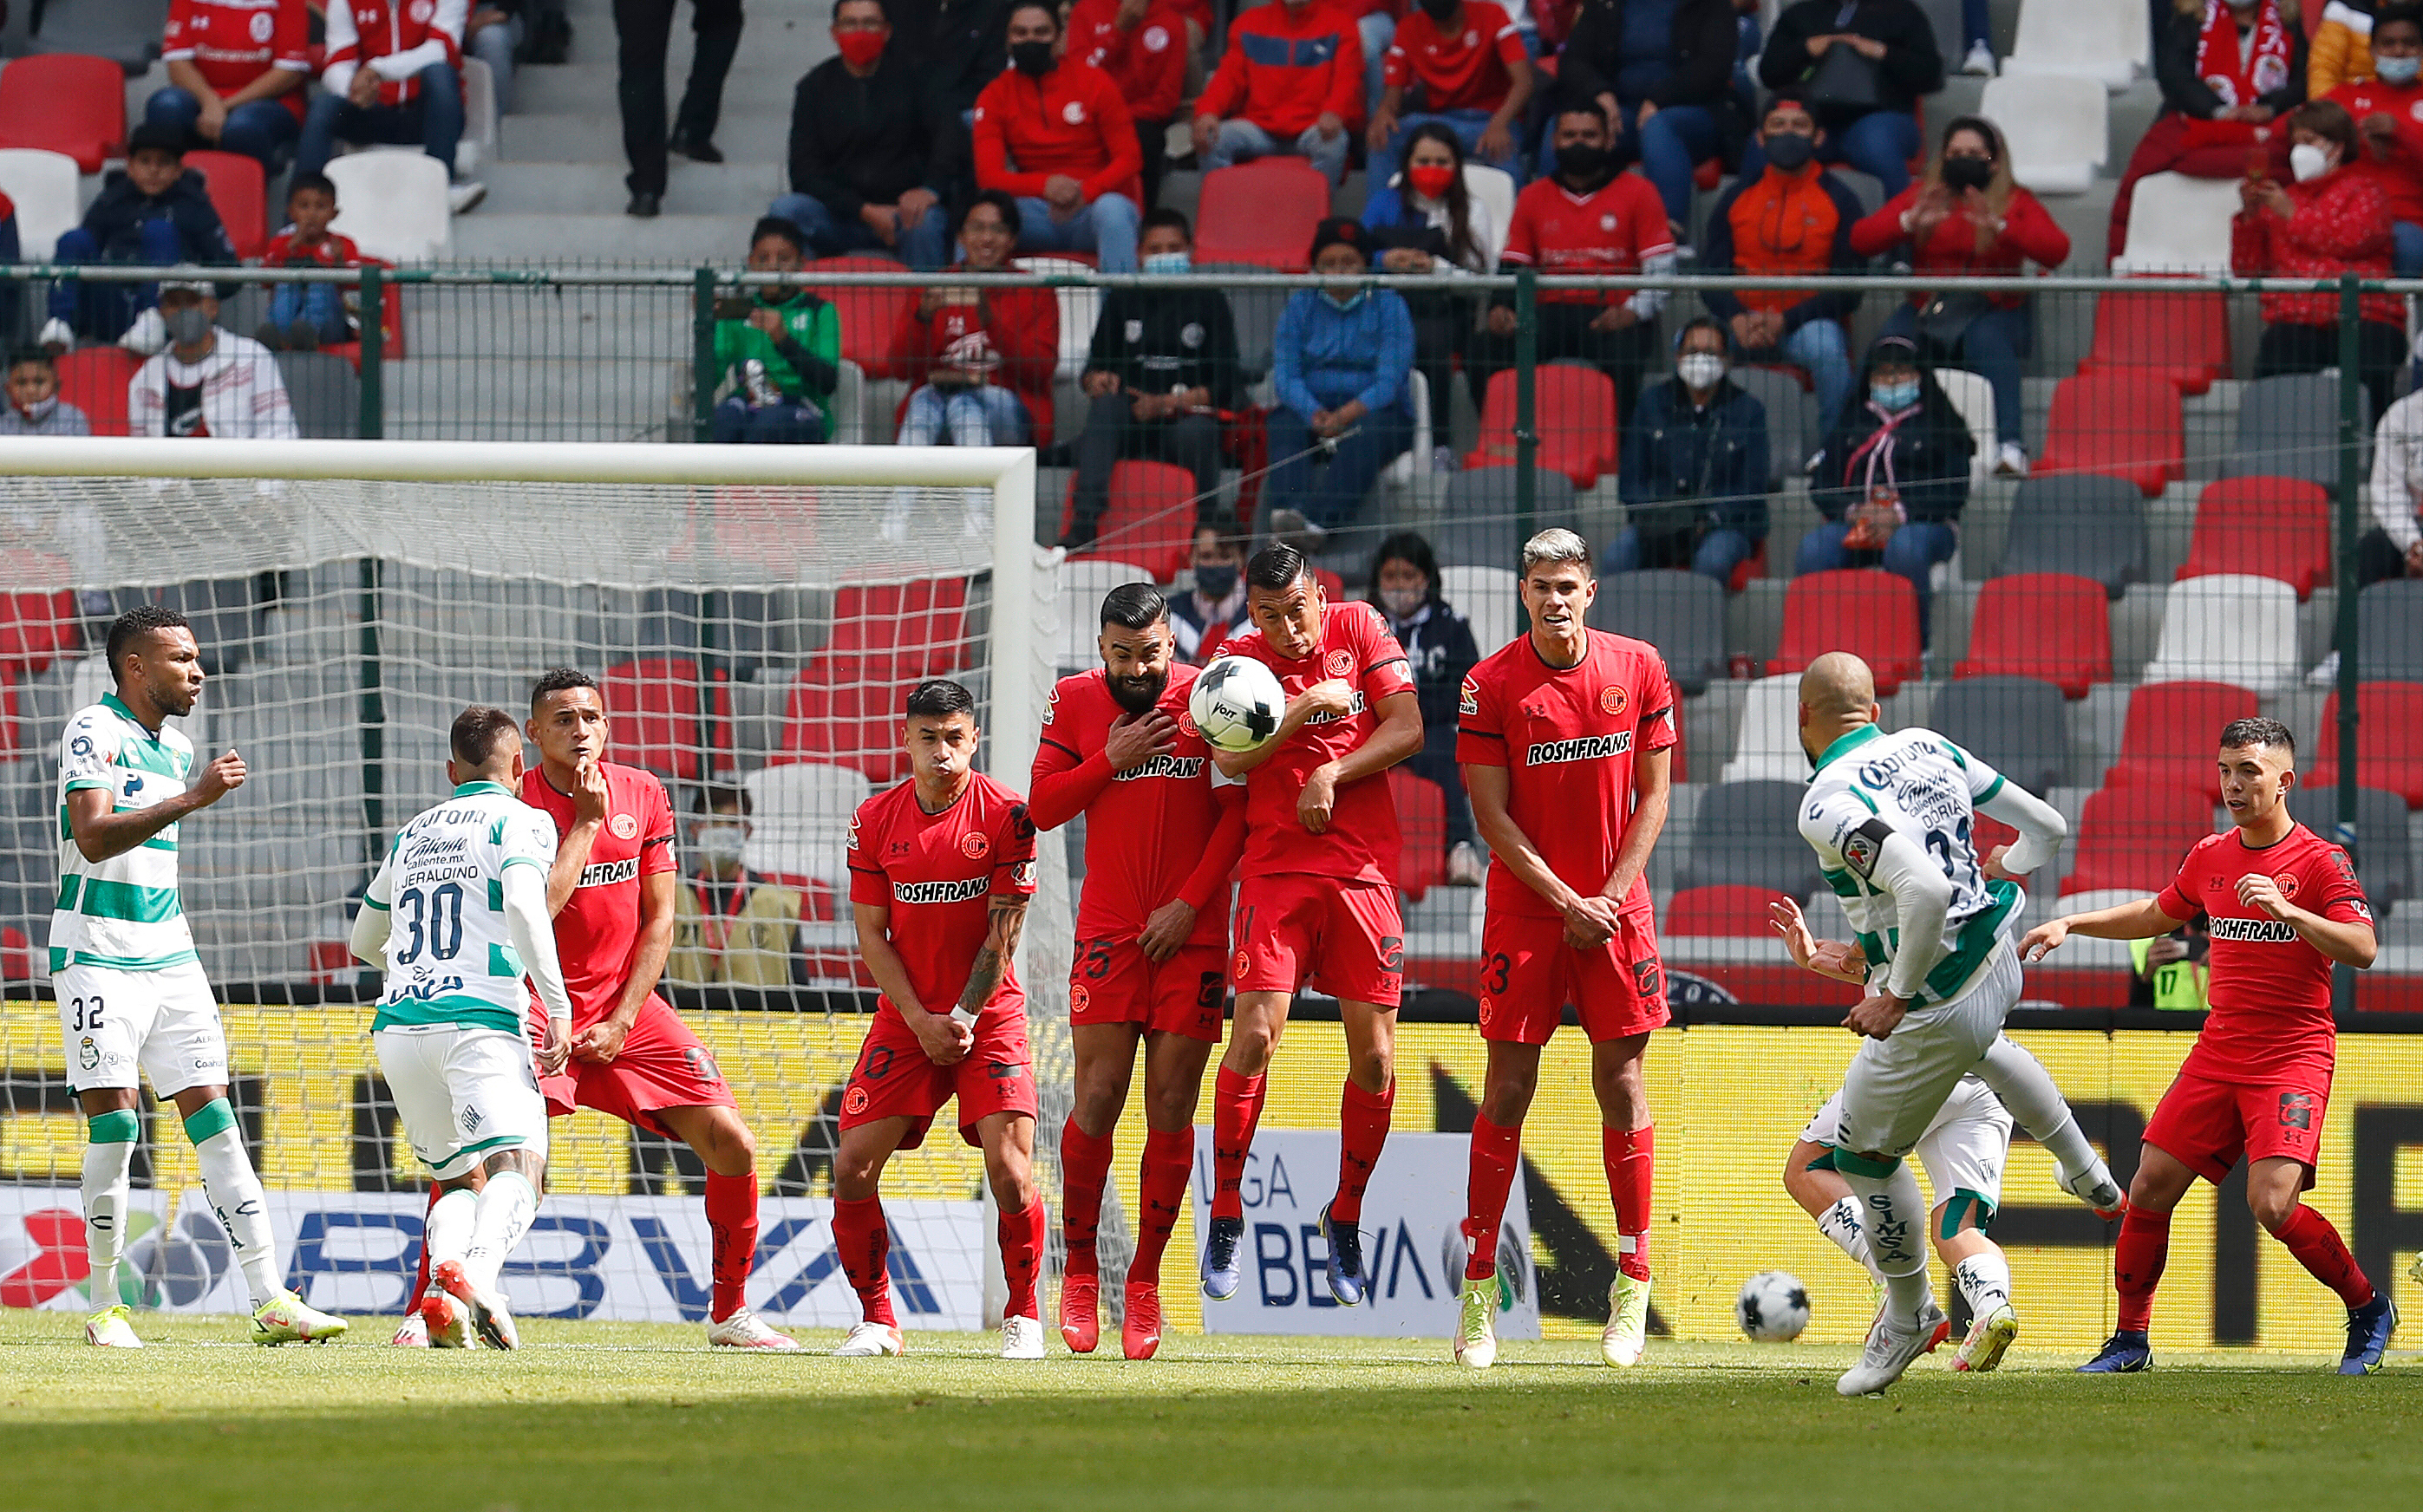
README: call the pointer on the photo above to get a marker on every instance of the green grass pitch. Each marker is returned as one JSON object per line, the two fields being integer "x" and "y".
{"x": 596, "y": 1416}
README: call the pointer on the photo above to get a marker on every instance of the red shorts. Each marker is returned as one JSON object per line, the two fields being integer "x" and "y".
{"x": 894, "y": 1079}
{"x": 1528, "y": 973}
{"x": 2206, "y": 1124}
{"x": 662, "y": 1065}
{"x": 1344, "y": 938}
{"x": 1111, "y": 983}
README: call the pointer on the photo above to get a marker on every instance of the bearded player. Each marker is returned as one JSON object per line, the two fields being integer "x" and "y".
{"x": 941, "y": 871}
{"x": 1162, "y": 833}
{"x": 2285, "y": 905}
{"x": 1566, "y": 739}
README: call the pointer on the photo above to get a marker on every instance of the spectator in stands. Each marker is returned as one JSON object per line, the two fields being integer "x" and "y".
{"x": 35, "y": 407}
{"x": 1796, "y": 219}
{"x": 209, "y": 381}
{"x": 1141, "y": 44}
{"x": 1425, "y": 220}
{"x": 1894, "y": 475}
{"x": 1292, "y": 82}
{"x": 642, "y": 30}
{"x": 1458, "y": 64}
{"x": 236, "y": 74}
{"x": 2393, "y": 547}
{"x": 152, "y": 212}
{"x": 494, "y": 33}
{"x": 1057, "y": 135}
{"x": 1162, "y": 362}
{"x": 2388, "y": 113}
{"x": 1439, "y": 651}
{"x": 1339, "y": 364}
{"x": 982, "y": 358}
{"x": 2170, "y": 972}
{"x": 304, "y": 315}
{"x": 956, "y": 47}
{"x": 782, "y": 356}
{"x": 730, "y": 927}
{"x": 2227, "y": 70}
{"x": 2329, "y": 221}
{"x": 1663, "y": 74}
{"x": 1863, "y": 64}
{"x": 1587, "y": 219}
{"x": 391, "y": 77}
{"x": 1967, "y": 219}
{"x": 1694, "y": 466}
{"x": 1214, "y": 608}
{"x": 2341, "y": 48}
{"x": 873, "y": 155}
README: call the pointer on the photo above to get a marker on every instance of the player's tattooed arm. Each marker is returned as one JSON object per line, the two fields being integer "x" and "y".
{"x": 1005, "y": 925}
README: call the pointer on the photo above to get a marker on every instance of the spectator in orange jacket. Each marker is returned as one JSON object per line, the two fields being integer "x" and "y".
{"x": 2340, "y": 51}
{"x": 1057, "y": 135}
{"x": 1142, "y": 45}
{"x": 1291, "y": 84}
{"x": 2387, "y": 109}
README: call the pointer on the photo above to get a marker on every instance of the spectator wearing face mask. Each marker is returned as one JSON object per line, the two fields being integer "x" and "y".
{"x": 1055, "y": 134}
{"x": 873, "y": 152}
{"x": 209, "y": 381}
{"x": 1458, "y": 64}
{"x": 35, "y": 407}
{"x": 2387, "y": 108}
{"x": 1427, "y": 220}
{"x": 1864, "y": 63}
{"x": 1663, "y": 73}
{"x": 1439, "y": 651}
{"x": 1208, "y": 613}
{"x": 1694, "y": 466}
{"x": 1893, "y": 476}
{"x": 1339, "y": 364}
{"x": 2228, "y": 70}
{"x": 729, "y": 926}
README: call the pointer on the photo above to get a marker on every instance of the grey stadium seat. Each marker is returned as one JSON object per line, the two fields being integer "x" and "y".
{"x": 1680, "y": 613}
{"x": 2082, "y": 524}
{"x": 1479, "y": 526}
{"x": 1792, "y": 421}
{"x": 2384, "y": 857}
{"x": 1256, "y": 312}
{"x": 1748, "y": 833}
{"x": 2019, "y": 726}
{"x": 2289, "y": 427}
{"x": 325, "y": 392}
{"x": 2389, "y": 630}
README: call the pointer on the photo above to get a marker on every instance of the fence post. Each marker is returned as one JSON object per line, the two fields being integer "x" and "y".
{"x": 374, "y": 716}
{"x": 1527, "y": 367}
{"x": 372, "y": 420}
{"x": 702, "y": 373}
{"x": 2351, "y": 439}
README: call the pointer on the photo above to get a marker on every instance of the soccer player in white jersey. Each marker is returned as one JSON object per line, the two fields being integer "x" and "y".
{"x": 1891, "y": 819}
{"x": 133, "y": 1001}
{"x": 456, "y": 917}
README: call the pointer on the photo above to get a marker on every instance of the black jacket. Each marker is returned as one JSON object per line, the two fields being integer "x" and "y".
{"x": 1912, "y": 65}
{"x": 2175, "y": 71}
{"x": 1683, "y": 466}
{"x": 119, "y": 211}
{"x": 957, "y": 47}
{"x": 1439, "y": 650}
{"x": 1700, "y": 65}
{"x": 859, "y": 141}
{"x": 1144, "y": 337}
{"x": 1930, "y": 460}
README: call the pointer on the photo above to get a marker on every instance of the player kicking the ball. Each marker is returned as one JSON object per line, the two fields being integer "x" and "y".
{"x": 1566, "y": 739}
{"x": 132, "y": 998}
{"x": 457, "y": 919}
{"x": 2284, "y": 904}
{"x": 941, "y": 872}
{"x": 1162, "y": 833}
{"x": 1318, "y": 902}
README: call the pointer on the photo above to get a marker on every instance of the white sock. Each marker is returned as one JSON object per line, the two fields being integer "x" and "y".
{"x": 1841, "y": 1224}
{"x": 507, "y": 1204}
{"x": 446, "y": 1232}
{"x": 234, "y": 1192}
{"x": 106, "y": 1168}
{"x": 1985, "y": 1281}
{"x": 1892, "y": 1215}
{"x": 2036, "y": 1105}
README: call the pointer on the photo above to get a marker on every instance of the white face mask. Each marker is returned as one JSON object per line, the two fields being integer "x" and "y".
{"x": 2306, "y": 161}
{"x": 720, "y": 843}
{"x": 1699, "y": 369}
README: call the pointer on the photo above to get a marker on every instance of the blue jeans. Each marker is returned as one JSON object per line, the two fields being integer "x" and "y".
{"x": 1878, "y": 144}
{"x": 1977, "y": 23}
{"x": 1718, "y": 554}
{"x": 263, "y": 129}
{"x": 830, "y": 236}
{"x": 322, "y": 304}
{"x": 2405, "y": 248}
{"x": 1329, "y": 496}
{"x": 989, "y": 415}
{"x": 737, "y": 421}
{"x": 433, "y": 118}
{"x": 495, "y": 46}
{"x": 1912, "y": 551}
{"x": 1377, "y": 30}
{"x": 1106, "y": 228}
{"x": 103, "y": 312}
{"x": 1994, "y": 347}
{"x": 1672, "y": 142}
{"x": 1241, "y": 141}
{"x": 1467, "y": 124}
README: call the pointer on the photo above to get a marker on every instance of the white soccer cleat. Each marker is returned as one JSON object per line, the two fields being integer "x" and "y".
{"x": 2095, "y": 1188}
{"x": 490, "y": 1317}
{"x": 1476, "y": 1334}
{"x": 868, "y": 1340}
{"x": 111, "y": 1329}
{"x": 1021, "y": 1338}
{"x": 1989, "y": 1338}
{"x": 1626, "y": 1333}
{"x": 445, "y": 1324}
{"x": 1890, "y": 1351}
{"x": 745, "y": 1329}
{"x": 287, "y": 1318}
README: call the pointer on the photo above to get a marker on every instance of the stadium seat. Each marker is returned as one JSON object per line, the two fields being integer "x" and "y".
{"x": 2389, "y": 628}
{"x": 2019, "y": 726}
{"x": 2389, "y": 741}
{"x": 1749, "y": 834}
{"x": 2058, "y": 126}
{"x": 920, "y": 622}
{"x": 1262, "y": 212}
{"x": 226, "y": 617}
{"x": 1421, "y": 820}
{"x": 2076, "y": 39}
{"x": 2049, "y": 625}
{"x": 1680, "y": 613}
{"x": 2383, "y": 856}
{"x": 1574, "y": 411}
{"x": 1480, "y": 522}
{"x": 869, "y": 313}
{"x": 65, "y": 102}
{"x": 391, "y": 345}
{"x": 2179, "y": 225}
{"x": 17, "y": 954}
{"x": 1727, "y": 911}
{"x": 844, "y": 709}
{"x": 1084, "y": 580}
{"x": 1973, "y": 398}
{"x": 2118, "y": 424}
{"x": 2289, "y": 427}
{"x": 1150, "y": 520}
{"x": 1257, "y": 311}
{"x": 326, "y": 391}
{"x": 38, "y": 625}
{"x": 239, "y": 193}
{"x": 2172, "y": 731}
{"x": 2229, "y": 628}
{"x": 1489, "y": 597}
{"x": 1865, "y": 610}
{"x": 2133, "y": 837}
{"x": 43, "y": 186}
{"x": 2082, "y": 525}
{"x": 1080, "y": 309}
{"x": 393, "y": 204}
{"x": 2262, "y": 527}
{"x": 1767, "y": 743}
{"x": 1791, "y": 419}
{"x": 658, "y": 722}
{"x": 94, "y": 380}
{"x": 2182, "y": 338}
{"x": 1495, "y": 189}
{"x": 799, "y": 822}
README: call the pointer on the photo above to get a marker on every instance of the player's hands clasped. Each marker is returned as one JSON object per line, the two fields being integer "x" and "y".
{"x": 1319, "y": 799}
{"x": 223, "y": 776}
{"x": 1875, "y": 1015}
{"x": 2043, "y": 940}
{"x": 1137, "y": 738}
{"x": 1167, "y": 930}
{"x": 600, "y": 1042}
{"x": 944, "y": 1039}
{"x": 1589, "y": 922}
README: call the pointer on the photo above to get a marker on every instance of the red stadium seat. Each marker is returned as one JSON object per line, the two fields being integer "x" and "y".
{"x": 846, "y": 710}
{"x": 1574, "y": 411}
{"x": 655, "y": 706}
{"x": 2277, "y": 528}
{"x": 94, "y": 380}
{"x": 2181, "y": 340}
{"x": 2049, "y": 626}
{"x": 2389, "y": 748}
{"x": 868, "y": 314}
{"x": 921, "y": 623}
{"x": 2172, "y": 732}
{"x": 65, "y": 102}
{"x": 240, "y": 196}
{"x": 391, "y": 322}
{"x": 17, "y": 954}
{"x": 2119, "y": 424}
{"x": 36, "y": 627}
{"x": 1150, "y": 521}
{"x": 1732, "y": 911}
{"x": 772, "y": 529}
{"x": 1421, "y": 819}
{"x": 1865, "y": 610}
{"x": 1262, "y": 213}
{"x": 2131, "y": 838}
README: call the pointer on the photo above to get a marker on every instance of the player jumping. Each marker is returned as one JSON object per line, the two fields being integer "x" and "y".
{"x": 941, "y": 871}
{"x": 1319, "y": 896}
{"x": 1162, "y": 833}
{"x": 1565, "y": 744}
{"x": 132, "y": 998}
{"x": 2285, "y": 904}
{"x": 456, "y": 919}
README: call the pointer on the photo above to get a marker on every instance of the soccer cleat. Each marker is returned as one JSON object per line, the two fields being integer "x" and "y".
{"x": 868, "y": 1340}
{"x": 2095, "y": 1186}
{"x": 489, "y": 1316}
{"x": 1626, "y": 1333}
{"x": 1989, "y": 1338}
{"x": 2123, "y": 1354}
{"x": 1347, "y": 1281}
{"x": 745, "y": 1329}
{"x": 111, "y": 1329}
{"x": 2369, "y": 1330}
{"x": 1890, "y": 1351}
{"x": 287, "y": 1318}
{"x": 445, "y": 1324}
{"x": 1221, "y": 1275}
{"x": 1476, "y": 1332}
{"x": 1081, "y": 1323}
{"x": 1021, "y": 1338}
{"x": 412, "y": 1333}
{"x": 1140, "y": 1335}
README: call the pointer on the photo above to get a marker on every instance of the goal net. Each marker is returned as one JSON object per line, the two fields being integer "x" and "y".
{"x": 754, "y": 616}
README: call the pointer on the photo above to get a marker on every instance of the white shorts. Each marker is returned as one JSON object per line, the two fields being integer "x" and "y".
{"x": 463, "y": 1094}
{"x": 163, "y": 1024}
{"x": 1897, "y": 1085}
{"x": 1964, "y": 1149}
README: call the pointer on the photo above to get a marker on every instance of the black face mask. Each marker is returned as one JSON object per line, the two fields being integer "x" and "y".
{"x": 1790, "y": 150}
{"x": 1213, "y": 584}
{"x": 1967, "y": 172}
{"x": 1034, "y": 59}
{"x": 1582, "y": 163}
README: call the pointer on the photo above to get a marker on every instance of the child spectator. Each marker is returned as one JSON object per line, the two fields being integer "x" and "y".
{"x": 35, "y": 407}
{"x": 303, "y": 315}
{"x": 150, "y": 211}
{"x": 1458, "y": 64}
{"x": 1057, "y": 135}
{"x": 782, "y": 358}
{"x": 1339, "y": 364}
{"x": 236, "y": 72}
{"x": 1290, "y": 82}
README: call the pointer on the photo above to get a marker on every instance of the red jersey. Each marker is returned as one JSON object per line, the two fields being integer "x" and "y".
{"x": 1361, "y": 844}
{"x": 233, "y": 42}
{"x": 1614, "y": 229}
{"x": 1568, "y": 739}
{"x": 1171, "y": 827}
{"x": 1465, "y": 69}
{"x": 330, "y": 251}
{"x": 2399, "y": 170}
{"x": 598, "y": 931}
{"x": 1148, "y": 63}
{"x": 1070, "y": 122}
{"x": 934, "y": 871}
{"x": 2270, "y": 992}
{"x": 419, "y": 32}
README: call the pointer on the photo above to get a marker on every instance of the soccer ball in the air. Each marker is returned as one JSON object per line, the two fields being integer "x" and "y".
{"x": 1237, "y": 704}
{"x": 1773, "y": 1307}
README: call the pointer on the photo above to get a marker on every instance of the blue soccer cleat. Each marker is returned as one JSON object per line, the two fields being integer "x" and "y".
{"x": 2123, "y": 1354}
{"x": 2369, "y": 1330}
{"x": 1347, "y": 1281}
{"x": 1221, "y": 1275}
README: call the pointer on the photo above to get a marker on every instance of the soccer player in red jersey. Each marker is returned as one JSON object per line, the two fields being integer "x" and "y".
{"x": 1319, "y": 896}
{"x": 1162, "y": 833}
{"x": 941, "y": 872}
{"x": 1565, "y": 738}
{"x": 2285, "y": 905}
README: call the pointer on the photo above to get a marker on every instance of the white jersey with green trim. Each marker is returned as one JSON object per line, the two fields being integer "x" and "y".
{"x": 124, "y": 913}
{"x": 449, "y": 953}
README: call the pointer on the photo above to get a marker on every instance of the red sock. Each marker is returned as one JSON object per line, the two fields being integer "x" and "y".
{"x": 732, "y": 1220}
{"x": 1084, "y": 1165}
{"x": 2318, "y": 1248}
{"x": 1631, "y": 1158}
{"x": 1022, "y": 1235}
{"x": 1236, "y": 1108}
{"x": 864, "y": 1241}
{"x": 2137, "y": 1260}
{"x": 420, "y": 1281}
{"x": 1362, "y": 1130}
{"x": 1495, "y": 1152}
{"x": 1168, "y": 1161}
